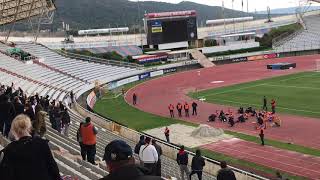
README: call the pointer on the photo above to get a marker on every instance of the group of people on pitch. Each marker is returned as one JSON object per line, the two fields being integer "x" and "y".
{"x": 262, "y": 116}
{"x": 184, "y": 107}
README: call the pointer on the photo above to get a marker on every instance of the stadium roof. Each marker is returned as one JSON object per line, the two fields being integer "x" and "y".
{"x": 16, "y": 10}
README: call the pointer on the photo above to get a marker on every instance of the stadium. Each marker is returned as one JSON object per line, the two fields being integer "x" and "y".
{"x": 236, "y": 98}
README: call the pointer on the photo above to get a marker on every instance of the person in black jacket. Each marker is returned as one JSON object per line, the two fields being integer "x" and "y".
{"x": 65, "y": 122}
{"x": 159, "y": 151}
{"x": 121, "y": 163}
{"x": 182, "y": 160}
{"x": 225, "y": 173}
{"x": 194, "y": 108}
{"x": 19, "y": 107}
{"x": 139, "y": 144}
{"x": 27, "y": 157}
{"x": 7, "y": 114}
{"x": 197, "y": 165}
{"x": 29, "y": 112}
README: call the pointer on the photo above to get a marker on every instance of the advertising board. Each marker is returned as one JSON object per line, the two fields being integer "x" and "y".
{"x": 156, "y": 73}
{"x": 144, "y": 76}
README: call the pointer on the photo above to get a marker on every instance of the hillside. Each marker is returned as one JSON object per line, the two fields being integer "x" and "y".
{"x": 290, "y": 10}
{"x": 83, "y": 14}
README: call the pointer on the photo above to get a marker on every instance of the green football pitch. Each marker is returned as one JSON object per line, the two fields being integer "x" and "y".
{"x": 297, "y": 94}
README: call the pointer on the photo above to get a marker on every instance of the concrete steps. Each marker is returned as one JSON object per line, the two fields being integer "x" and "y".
{"x": 203, "y": 60}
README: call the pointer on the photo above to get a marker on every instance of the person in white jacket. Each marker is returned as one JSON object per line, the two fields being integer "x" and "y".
{"x": 149, "y": 156}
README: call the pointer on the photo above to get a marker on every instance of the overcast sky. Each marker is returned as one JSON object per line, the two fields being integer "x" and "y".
{"x": 259, "y": 5}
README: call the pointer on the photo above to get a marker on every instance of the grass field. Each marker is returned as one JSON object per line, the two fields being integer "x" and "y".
{"x": 116, "y": 108}
{"x": 296, "y": 94}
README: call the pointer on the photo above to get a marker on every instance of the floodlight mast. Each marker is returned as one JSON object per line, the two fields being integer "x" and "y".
{"x": 12, "y": 11}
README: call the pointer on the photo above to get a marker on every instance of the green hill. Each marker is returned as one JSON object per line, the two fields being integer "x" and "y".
{"x": 84, "y": 14}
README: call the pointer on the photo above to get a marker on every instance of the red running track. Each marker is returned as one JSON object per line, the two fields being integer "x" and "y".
{"x": 286, "y": 161}
{"x": 155, "y": 95}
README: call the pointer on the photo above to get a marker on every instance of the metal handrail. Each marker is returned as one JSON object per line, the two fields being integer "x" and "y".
{"x": 99, "y": 60}
{"x": 171, "y": 145}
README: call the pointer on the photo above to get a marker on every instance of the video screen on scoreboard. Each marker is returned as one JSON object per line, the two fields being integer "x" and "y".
{"x": 161, "y": 31}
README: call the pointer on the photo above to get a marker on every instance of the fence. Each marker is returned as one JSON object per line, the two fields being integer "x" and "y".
{"x": 99, "y": 60}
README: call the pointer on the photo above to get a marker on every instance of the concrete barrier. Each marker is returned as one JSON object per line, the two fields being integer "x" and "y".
{"x": 212, "y": 167}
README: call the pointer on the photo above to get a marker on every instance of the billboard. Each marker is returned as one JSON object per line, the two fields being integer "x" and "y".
{"x": 171, "y": 27}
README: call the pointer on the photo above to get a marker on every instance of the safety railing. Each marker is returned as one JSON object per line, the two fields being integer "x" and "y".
{"x": 100, "y": 60}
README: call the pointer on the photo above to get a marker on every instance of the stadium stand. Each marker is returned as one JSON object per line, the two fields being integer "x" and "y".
{"x": 66, "y": 151}
{"x": 306, "y": 39}
{"x": 51, "y": 80}
{"x": 124, "y": 51}
{"x": 83, "y": 70}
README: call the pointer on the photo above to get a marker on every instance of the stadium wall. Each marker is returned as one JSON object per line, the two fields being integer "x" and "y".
{"x": 169, "y": 150}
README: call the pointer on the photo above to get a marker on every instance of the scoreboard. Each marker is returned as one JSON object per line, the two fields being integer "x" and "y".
{"x": 170, "y": 27}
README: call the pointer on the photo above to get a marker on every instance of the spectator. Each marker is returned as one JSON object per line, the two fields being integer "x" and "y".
{"x": 29, "y": 112}
{"x": 79, "y": 139}
{"x": 138, "y": 146}
{"x": 167, "y": 134}
{"x": 65, "y": 122}
{"x": 159, "y": 151}
{"x": 7, "y": 114}
{"x": 57, "y": 117}
{"x": 225, "y": 173}
{"x": 149, "y": 156}
{"x": 121, "y": 164}
{"x": 88, "y": 134}
{"x": 72, "y": 97}
{"x": 279, "y": 176}
{"x": 27, "y": 158}
{"x": 197, "y": 165}
{"x": 51, "y": 116}
{"x": 18, "y": 106}
{"x": 182, "y": 160}
{"x": 39, "y": 124}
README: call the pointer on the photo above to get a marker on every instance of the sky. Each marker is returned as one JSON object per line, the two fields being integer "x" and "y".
{"x": 259, "y": 5}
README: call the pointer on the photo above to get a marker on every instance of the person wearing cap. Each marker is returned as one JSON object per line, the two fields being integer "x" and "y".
{"x": 149, "y": 156}
{"x": 89, "y": 139}
{"x": 121, "y": 163}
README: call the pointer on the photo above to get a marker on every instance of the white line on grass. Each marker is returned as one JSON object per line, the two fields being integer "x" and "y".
{"x": 308, "y": 75}
{"x": 233, "y": 90}
{"x": 297, "y": 87}
{"x": 278, "y": 107}
{"x": 113, "y": 97}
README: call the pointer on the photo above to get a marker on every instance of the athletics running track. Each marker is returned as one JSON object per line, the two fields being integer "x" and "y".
{"x": 155, "y": 95}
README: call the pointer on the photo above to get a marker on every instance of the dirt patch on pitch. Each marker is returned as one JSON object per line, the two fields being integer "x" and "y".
{"x": 190, "y": 136}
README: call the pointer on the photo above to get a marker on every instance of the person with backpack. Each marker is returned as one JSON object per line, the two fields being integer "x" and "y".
{"x": 197, "y": 165}
{"x": 182, "y": 160}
